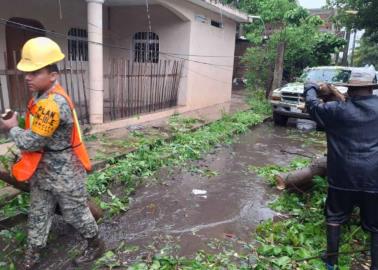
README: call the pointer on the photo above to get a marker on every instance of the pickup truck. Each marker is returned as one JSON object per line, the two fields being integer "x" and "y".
{"x": 288, "y": 100}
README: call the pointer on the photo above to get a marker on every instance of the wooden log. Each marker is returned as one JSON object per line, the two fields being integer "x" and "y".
{"x": 302, "y": 177}
{"x": 25, "y": 187}
{"x": 8, "y": 193}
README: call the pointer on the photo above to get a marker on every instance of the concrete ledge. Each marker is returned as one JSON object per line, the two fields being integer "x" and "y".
{"x": 135, "y": 120}
{"x": 145, "y": 119}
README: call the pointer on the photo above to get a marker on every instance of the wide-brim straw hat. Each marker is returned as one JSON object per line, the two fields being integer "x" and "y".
{"x": 361, "y": 77}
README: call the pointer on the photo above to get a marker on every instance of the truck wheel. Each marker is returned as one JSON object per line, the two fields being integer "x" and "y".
{"x": 280, "y": 120}
{"x": 319, "y": 128}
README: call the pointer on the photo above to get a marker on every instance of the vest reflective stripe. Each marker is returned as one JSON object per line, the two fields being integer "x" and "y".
{"x": 76, "y": 124}
{"x": 76, "y": 141}
{"x": 31, "y": 118}
{"x": 27, "y": 165}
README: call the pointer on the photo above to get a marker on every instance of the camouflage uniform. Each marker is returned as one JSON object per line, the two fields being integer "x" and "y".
{"x": 59, "y": 179}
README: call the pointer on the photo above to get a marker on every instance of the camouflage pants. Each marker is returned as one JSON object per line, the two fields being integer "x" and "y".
{"x": 73, "y": 206}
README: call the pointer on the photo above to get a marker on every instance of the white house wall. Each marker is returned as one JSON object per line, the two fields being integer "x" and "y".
{"x": 172, "y": 31}
{"x": 203, "y": 84}
{"x": 209, "y": 83}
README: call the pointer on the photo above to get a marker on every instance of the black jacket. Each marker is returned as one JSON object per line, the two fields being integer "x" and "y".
{"x": 352, "y": 137}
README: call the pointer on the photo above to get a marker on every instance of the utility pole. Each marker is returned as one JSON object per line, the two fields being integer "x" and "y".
{"x": 353, "y": 47}
{"x": 344, "y": 61}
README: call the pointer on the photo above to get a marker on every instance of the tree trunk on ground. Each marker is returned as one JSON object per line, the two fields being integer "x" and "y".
{"x": 278, "y": 67}
{"x": 9, "y": 193}
{"x": 23, "y": 186}
{"x": 303, "y": 177}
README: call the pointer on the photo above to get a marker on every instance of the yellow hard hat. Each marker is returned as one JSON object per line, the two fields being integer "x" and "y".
{"x": 39, "y": 52}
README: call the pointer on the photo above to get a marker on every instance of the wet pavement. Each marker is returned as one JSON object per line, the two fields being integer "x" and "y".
{"x": 234, "y": 204}
{"x": 168, "y": 214}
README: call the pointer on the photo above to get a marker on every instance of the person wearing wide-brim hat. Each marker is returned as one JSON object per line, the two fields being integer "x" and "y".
{"x": 351, "y": 125}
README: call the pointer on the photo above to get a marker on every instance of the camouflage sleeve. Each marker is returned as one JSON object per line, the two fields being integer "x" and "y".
{"x": 27, "y": 140}
{"x": 64, "y": 110}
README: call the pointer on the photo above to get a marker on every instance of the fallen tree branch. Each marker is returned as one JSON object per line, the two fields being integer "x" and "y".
{"x": 296, "y": 153}
{"x": 302, "y": 177}
{"x": 25, "y": 187}
{"x": 8, "y": 193}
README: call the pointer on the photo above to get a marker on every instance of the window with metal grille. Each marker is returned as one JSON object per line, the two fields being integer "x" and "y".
{"x": 216, "y": 24}
{"x": 77, "y": 44}
{"x": 146, "y": 47}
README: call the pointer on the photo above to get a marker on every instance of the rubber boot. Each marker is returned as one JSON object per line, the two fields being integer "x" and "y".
{"x": 94, "y": 250}
{"x": 374, "y": 251}
{"x": 333, "y": 239}
{"x": 32, "y": 257}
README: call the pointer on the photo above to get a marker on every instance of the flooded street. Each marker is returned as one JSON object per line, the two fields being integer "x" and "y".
{"x": 216, "y": 198}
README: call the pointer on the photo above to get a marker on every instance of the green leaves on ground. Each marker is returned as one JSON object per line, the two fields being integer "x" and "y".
{"x": 285, "y": 244}
{"x": 268, "y": 172}
{"x": 184, "y": 145}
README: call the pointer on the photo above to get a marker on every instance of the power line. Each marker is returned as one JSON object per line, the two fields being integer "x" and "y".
{"x": 203, "y": 75}
{"x": 171, "y": 55}
{"x": 191, "y": 55}
{"x": 61, "y": 35}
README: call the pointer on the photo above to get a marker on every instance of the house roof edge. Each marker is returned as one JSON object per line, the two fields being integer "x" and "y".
{"x": 227, "y": 11}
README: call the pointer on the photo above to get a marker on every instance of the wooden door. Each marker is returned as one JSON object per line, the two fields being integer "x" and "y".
{"x": 17, "y": 32}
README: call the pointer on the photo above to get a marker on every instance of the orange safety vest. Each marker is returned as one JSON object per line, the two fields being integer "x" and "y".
{"x": 27, "y": 165}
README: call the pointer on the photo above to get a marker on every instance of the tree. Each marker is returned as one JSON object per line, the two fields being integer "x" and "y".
{"x": 304, "y": 46}
{"x": 358, "y": 14}
{"x": 367, "y": 53}
{"x": 326, "y": 44}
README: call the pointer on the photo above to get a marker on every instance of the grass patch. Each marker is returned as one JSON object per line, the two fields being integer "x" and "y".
{"x": 268, "y": 172}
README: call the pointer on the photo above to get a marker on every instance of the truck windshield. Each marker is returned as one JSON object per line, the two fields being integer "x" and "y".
{"x": 325, "y": 75}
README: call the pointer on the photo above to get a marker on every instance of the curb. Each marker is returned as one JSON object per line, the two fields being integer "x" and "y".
{"x": 102, "y": 163}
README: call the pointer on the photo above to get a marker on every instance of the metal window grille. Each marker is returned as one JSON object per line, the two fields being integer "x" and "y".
{"x": 77, "y": 44}
{"x": 216, "y": 24}
{"x": 146, "y": 47}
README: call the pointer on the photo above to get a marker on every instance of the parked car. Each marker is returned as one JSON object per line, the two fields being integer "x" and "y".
{"x": 288, "y": 100}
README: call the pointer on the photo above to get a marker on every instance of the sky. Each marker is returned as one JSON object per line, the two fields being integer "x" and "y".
{"x": 312, "y": 3}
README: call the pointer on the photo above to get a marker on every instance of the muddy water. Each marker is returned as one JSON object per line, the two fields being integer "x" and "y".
{"x": 168, "y": 213}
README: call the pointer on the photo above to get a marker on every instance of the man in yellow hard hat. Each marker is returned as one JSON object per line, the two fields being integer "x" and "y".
{"x": 54, "y": 159}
